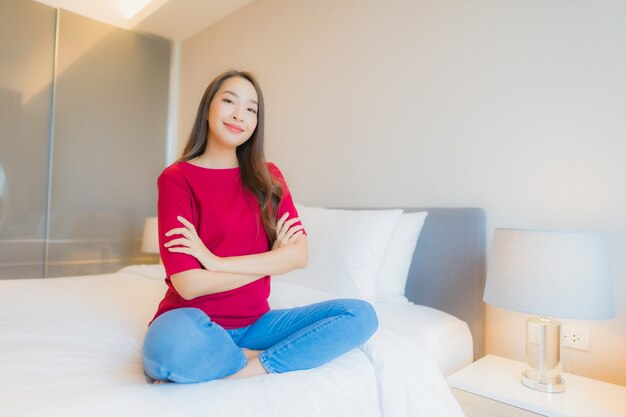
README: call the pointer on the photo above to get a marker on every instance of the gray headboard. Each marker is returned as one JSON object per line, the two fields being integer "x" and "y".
{"x": 448, "y": 267}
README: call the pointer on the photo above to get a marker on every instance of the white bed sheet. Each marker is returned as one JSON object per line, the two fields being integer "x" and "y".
{"x": 446, "y": 337}
{"x": 72, "y": 347}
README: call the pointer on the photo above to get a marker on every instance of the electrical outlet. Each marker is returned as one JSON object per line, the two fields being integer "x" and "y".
{"x": 575, "y": 338}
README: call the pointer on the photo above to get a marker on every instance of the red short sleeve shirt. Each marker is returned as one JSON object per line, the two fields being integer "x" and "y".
{"x": 227, "y": 218}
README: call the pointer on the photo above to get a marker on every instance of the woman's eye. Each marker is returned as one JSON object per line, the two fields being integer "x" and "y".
{"x": 227, "y": 100}
{"x": 252, "y": 110}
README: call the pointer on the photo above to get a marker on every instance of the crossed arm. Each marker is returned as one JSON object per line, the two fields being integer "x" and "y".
{"x": 222, "y": 274}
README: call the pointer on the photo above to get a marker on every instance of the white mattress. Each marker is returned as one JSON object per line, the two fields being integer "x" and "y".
{"x": 72, "y": 347}
{"x": 447, "y": 338}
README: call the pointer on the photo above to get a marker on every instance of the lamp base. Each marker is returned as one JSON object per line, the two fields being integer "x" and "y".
{"x": 543, "y": 362}
{"x": 558, "y": 385}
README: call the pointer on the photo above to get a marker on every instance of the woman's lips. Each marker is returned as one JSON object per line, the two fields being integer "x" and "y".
{"x": 233, "y": 128}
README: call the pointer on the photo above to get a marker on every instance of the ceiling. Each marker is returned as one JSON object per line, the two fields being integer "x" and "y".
{"x": 171, "y": 19}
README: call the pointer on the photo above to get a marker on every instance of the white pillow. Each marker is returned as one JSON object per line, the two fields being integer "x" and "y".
{"x": 395, "y": 268}
{"x": 346, "y": 250}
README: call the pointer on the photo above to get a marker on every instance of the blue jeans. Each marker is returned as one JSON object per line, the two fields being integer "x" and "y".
{"x": 184, "y": 345}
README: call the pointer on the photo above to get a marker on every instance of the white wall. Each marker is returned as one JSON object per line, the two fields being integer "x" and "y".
{"x": 514, "y": 106}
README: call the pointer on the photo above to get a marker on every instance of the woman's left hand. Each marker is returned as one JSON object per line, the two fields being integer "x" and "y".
{"x": 285, "y": 233}
{"x": 192, "y": 245}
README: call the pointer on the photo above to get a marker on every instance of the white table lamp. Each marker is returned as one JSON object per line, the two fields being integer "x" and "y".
{"x": 548, "y": 274}
{"x": 150, "y": 241}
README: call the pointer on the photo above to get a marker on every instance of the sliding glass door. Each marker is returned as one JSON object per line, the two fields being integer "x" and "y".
{"x": 26, "y": 78}
{"x": 83, "y": 124}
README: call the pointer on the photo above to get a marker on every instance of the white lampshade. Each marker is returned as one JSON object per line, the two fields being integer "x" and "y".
{"x": 150, "y": 241}
{"x": 550, "y": 274}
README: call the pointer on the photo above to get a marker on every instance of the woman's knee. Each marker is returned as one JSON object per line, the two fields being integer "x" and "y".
{"x": 184, "y": 345}
{"x": 364, "y": 317}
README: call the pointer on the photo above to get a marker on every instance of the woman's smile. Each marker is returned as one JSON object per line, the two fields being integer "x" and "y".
{"x": 233, "y": 128}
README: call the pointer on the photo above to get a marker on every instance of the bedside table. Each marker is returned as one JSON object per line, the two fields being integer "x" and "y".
{"x": 492, "y": 387}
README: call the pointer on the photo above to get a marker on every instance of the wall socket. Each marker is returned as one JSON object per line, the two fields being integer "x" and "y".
{"x": 575, "y": 338}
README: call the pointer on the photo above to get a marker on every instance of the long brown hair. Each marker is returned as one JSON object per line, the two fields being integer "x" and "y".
{"x": 255, "y": 175}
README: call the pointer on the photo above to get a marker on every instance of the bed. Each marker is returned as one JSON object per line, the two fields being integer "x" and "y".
{"x": 71, "y": 346}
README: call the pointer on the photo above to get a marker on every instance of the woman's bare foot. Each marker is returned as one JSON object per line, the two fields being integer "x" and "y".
{"x": 251, "y": 353}
{"x": 253, "y": 368}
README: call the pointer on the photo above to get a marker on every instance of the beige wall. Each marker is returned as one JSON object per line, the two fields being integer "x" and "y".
{"x": 518, "y": 107}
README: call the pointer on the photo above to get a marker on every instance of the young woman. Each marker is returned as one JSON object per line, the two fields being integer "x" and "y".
{"x": 227, "y": 222}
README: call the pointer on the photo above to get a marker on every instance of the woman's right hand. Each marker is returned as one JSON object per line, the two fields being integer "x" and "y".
{"x": 286, "y": 235}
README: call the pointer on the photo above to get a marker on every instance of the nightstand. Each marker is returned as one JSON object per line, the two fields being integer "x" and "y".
{"x": 492, "y": 387}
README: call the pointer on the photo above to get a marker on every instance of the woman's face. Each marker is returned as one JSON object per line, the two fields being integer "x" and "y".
{"x": 233, "y": 112}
